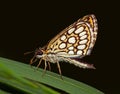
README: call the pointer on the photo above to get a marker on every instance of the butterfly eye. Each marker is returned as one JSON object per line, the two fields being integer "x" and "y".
{"x": 38, "y": 51}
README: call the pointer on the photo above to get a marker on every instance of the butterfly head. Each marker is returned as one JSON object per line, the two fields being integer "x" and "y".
{"x": 39, "y": 52}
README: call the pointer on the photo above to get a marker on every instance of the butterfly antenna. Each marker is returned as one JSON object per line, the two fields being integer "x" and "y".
{"x": 28, "y": 52}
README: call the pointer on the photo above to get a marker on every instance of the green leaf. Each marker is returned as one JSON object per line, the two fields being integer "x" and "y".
{"x": 13, "y": 79}
{"x": 52, "y": 79}
{"x": 3, "y": 92}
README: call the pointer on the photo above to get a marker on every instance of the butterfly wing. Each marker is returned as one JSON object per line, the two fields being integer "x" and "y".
{"x": 77, "y": 40}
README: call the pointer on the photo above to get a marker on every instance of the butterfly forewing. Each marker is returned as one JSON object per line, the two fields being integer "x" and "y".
{"x": 77, "y": 40}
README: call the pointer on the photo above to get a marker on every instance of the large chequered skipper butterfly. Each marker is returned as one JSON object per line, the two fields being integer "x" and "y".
{"x": 75, "y": 41}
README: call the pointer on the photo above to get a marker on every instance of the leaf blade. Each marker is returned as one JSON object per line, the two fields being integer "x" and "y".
{"x": 68, "y": 85}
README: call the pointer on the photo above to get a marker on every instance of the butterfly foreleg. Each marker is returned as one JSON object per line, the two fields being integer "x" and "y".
{"x": 34, "y": 59}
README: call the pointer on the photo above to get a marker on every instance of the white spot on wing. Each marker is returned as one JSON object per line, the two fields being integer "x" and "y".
{"x": 81, "y": 47}
{"x": 71, "y": 52}
{"x": 83, "y": 37}
{"x": 71, "y": 40}
{"x": 82, "y": 33}
{"x": 62, "y": 45}
{"x": 83, "y": 41}
{"x": 80, "y": 23}
{"x": 79, "y": 30}
{"x": 71, "y": 30}
{"x": 63, "y": 37}
{"x": 71, "y": 48}
{"x": 79, "y": 52}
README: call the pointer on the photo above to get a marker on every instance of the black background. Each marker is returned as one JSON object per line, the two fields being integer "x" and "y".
{"x": 28, "y": 25}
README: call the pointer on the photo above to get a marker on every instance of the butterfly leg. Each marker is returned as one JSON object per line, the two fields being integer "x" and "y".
{"x": 34, "y": 59}
{"x": 45, "y": 68}
{"x": 39, "y": 64}
{"x": 59, "y": 69}
{"x": 49, "y": 66}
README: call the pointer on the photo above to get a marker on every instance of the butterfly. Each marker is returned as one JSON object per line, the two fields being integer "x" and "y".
{"x": 70, "y": 45}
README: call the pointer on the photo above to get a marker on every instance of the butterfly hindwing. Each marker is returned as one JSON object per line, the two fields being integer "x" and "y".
{"x": 76, "y": 40}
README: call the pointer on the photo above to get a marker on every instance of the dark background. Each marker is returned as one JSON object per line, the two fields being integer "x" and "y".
{"x": 26, "y": 26}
